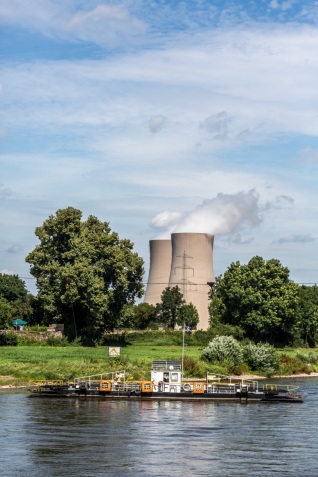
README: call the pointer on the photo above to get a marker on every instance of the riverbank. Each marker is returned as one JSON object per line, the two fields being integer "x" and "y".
{"x": 21, "y": 364}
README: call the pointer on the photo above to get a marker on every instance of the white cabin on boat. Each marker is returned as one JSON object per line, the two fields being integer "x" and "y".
{"x": 166, "y": 376}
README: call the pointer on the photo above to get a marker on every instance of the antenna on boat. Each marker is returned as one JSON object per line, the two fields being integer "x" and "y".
{"x": 183, "y": 333}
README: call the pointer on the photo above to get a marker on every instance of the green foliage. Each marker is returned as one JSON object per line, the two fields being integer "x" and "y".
{"x": 57, "y": 341}
{"x": 292, "y": 365}
{"x": 35, "y": 328}
{"x": 224, "y": 329}
{"x": 223, "y": 348}
{"x": 85, "y": 274}
{"x": 14, "y": 292}
{"x": 310, "y": 358}
{"x": 262, "y": 357}
{"x": 12, "y": 288}
{"x": 188, "y": 315}
{"x": 144, "y": 316}
{"x": 5, "y": 314}
{"x": 307, "y": 315}
{"x": 168, "y": 311}
{"x": 259, "y": 297}
{"x": 8, "y": 339}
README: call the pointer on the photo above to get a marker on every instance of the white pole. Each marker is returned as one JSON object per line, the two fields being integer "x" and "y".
{"x": 183, "y": 333}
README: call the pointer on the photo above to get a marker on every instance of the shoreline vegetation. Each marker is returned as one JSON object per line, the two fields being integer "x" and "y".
{"x": 22, "y": 364}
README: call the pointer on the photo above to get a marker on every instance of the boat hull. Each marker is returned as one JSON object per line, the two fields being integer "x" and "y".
{"x": 65, "y": 391}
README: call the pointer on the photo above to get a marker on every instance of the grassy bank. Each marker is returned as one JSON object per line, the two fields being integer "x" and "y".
{"x": 19, "y": 365}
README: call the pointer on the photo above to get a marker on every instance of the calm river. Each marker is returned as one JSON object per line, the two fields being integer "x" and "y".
{"x": 42, "y": 437}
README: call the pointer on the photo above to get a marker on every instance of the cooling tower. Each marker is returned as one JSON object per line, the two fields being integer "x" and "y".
{"x": 159, "y": 272}
{"x": 191, "y": 269}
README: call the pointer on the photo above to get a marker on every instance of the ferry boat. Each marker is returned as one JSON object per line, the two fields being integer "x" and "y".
{"x": 167, "y": 383}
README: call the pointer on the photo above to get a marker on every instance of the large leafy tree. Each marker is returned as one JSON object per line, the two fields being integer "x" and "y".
{"x": 307, "y": 316}
{"x": 169, "y": 308}
{"x": 85, "y": 274}
{"x": 259, "y": 297}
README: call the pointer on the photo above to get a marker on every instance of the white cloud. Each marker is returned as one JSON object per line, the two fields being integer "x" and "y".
{"x": 108, "y": 25}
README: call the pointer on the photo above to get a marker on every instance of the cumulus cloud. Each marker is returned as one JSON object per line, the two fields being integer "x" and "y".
{"x": 296, "y": 239}
{"x": 156, "y": 123}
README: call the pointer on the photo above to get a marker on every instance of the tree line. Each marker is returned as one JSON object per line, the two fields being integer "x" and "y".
{"x": 89, "y": 279}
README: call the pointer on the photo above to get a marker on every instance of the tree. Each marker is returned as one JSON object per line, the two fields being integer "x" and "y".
{"x": 171, "y": 303}
{"x": 307, "y": 315}
{"x": 14, "y": 291}
{"x": 188, "y": 315}
{"x": 144, "y": 316}
{"x": 259, "y": 297}
{"x": 85, "y": 274}
{"x": 5, "y": 314}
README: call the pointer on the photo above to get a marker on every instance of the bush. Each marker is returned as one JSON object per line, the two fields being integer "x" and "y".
{"x": 290, "y": 365}
{"x": 310, "y": 358}
{"x": 262, "y": 357}
{"x": 57, "y": 341}
{"x": 223, "y": 348}
{"x": 8, "y": 339}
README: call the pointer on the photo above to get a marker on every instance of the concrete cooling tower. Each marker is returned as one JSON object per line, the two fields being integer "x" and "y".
{"x": 159, "y": 272}
{"x": 191, "y": 269}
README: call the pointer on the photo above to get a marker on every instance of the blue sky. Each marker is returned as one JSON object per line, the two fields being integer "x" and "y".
{"x": 152, "y": 113}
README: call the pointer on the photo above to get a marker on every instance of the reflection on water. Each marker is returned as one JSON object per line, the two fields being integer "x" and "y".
{"x": 56, "y": 437}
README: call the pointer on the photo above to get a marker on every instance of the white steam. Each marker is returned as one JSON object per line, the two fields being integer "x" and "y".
{"x": 223, "y": 215}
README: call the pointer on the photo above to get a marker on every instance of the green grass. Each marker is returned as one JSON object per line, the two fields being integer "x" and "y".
{"x": 21, "y": 364}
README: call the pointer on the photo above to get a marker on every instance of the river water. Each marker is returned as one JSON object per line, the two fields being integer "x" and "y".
{"x": 47, "y": 437}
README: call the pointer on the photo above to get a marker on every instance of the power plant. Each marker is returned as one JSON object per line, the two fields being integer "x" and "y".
{"x": 159, "y": 271}
{"x": 185, "y": 261}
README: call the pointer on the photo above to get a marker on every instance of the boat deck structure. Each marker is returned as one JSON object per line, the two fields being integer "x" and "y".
{"x": 167, "y": 383}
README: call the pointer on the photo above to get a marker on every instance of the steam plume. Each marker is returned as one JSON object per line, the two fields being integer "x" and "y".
{"x": 222, "y": 215}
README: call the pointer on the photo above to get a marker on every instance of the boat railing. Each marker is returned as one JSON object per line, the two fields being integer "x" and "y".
{"x": 280, "y": 387}
{"x": 118, "y": 376}
{"x": 49, "y": 382}
{"x": 127, "y": 386}
{"x": 229, "y": 382}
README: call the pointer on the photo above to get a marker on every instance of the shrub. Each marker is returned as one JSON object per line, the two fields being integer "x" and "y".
{"x": 223, "y": 348}
{"x": 57, "y": 341}
{"x": 310, "y": 358}
{"x": 290, "y": 365}
{"x": 8, "y": 339}
{"x": 261, "y": 356}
